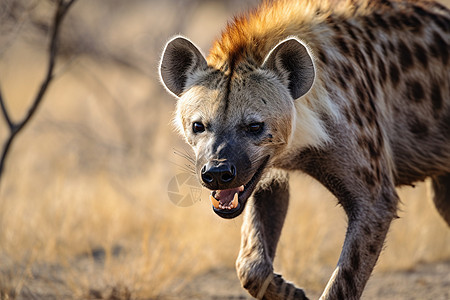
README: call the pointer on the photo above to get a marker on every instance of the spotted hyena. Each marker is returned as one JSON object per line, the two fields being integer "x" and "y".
{"x": 353, "y": 93}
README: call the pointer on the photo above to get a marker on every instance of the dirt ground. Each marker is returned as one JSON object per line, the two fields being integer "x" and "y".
{"x": 426, "y": 281}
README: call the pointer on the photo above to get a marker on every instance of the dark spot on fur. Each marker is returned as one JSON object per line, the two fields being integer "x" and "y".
{"x": 394, "y": 74}
{"x": 359, "y": 92}
{"x": 358, "y": 56}
{"x": 395, "y": 22}
{"x": 378, "y": 172}
{"x": 367, "y": 230}
{"x": 414, "y": 91}
{"x": 406, "y": 58}
{"x": 348, "y": 71}
{"x": 354, "y": 258}
{"x": 421, "y": 55}
{"x": 348, "y": 277}
{"x": 411, "y": 22}
{"x": 379, "y": 20}
{"x": 369, "y": 23}
{"x": 443, "y": 23}
{"x": 384, "y": 50}
{"x": 421, "y": 12}
{"x": 340, "y": 42}
{"x": 264, "y": 101}
{"x": 380, "y": 140}
{"x": 372, "y": 105}
{"x": 342, "y": 82}
{"x": 361, "y": 143}
{"x": 370, "y": 34}
{"x": 373, "y": 151}
{"x": 337, "y": 28}
{"x": 362, "y": 107}
{"x": 386, "y": 3}
{"x": 418, "y": 128}
{"x": 368, "y": 177}
{"x": 371, "y": 84}
{"x": 440, "y": 48}
{"x": 381, "y": 69}
{"x": 323, "y": 57}
{"x": 415, "y": 25}
{"x": 339, "y": 293}
{"x": 350, "y": 31}
{"x": 348, "y": 116}
{"x": 358, "y": 120}
{"x": 371, "y": 118}
{"x": 369, "y": 49}
{"x": 391, "y": 46}
{"x": 436, "y": 97}
{"x": 373, "y": 248}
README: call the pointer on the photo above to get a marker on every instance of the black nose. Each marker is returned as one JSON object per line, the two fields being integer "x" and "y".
{"x": 217, "y": 174}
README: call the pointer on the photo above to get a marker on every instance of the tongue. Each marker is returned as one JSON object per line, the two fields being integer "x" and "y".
{"x": 226, "y": 199}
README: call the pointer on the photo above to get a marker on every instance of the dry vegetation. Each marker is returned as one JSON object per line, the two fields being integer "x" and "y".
{"x": 84, "y": 208}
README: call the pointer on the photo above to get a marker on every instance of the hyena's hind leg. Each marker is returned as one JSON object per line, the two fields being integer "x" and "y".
{"x": 263, "y": 221}
{"x": 441, "y": 186}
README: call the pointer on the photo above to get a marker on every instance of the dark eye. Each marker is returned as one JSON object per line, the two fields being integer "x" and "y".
{"x": 198, "y": 127}
{"x": 255, "y": 127}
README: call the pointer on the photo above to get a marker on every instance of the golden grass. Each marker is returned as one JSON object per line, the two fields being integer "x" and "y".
{"x": 84, "y": 210}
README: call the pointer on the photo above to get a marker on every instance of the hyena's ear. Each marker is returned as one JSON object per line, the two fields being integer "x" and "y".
{"x": 292, "y": 61}
{"x": 180, "y": 58}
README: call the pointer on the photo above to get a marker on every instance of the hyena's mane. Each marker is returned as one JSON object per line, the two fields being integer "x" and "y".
{"x": 252, "y": 35}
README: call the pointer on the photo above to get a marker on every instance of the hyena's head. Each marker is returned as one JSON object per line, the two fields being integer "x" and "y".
{"x": 237, "y": 119}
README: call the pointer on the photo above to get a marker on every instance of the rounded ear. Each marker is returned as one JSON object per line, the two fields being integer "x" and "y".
{"x": 291, "y": 60}
{"x": 179, "y": 59}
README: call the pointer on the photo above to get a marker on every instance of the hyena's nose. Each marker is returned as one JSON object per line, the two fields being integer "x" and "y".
{"x": 216, "y": 175}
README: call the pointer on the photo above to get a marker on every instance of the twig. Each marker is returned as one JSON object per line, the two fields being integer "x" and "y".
{"x": 16, "y": 127}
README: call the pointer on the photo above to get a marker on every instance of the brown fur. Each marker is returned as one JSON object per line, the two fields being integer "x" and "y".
{"x": 354, "y": 93}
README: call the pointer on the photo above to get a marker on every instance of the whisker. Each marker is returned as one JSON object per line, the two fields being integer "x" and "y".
{"x": 186, "y": 155}
{"x": 186, "y": 168}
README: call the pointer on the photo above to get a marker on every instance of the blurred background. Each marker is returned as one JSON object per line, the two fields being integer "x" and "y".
{"x": 97, "y": 200}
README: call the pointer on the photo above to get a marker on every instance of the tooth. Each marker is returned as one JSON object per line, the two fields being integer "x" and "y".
{"x": 241, "y": 188}
{"x": 234, "y": 203}
{"x": 214, "y": 202}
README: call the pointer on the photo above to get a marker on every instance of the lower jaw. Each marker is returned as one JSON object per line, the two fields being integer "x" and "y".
{"x": 229, "y": 213}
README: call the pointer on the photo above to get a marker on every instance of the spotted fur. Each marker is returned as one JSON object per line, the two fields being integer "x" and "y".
{"x": 354, "y": 93}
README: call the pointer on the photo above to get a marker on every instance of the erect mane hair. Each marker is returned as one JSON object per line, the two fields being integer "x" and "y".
{"x": 251, "y": 36}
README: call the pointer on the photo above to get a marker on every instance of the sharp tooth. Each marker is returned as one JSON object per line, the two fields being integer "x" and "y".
{"x": 241, "y": 188}
{"x": 214, "y": 202}
{"x": 234, "y": 203}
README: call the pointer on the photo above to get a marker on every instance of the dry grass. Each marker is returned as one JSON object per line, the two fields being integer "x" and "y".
{"x": 84, "y": 211}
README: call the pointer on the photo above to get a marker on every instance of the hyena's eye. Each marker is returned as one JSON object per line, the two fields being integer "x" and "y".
{"x": 198, "y": 127}
{"x": 256, "y": 127}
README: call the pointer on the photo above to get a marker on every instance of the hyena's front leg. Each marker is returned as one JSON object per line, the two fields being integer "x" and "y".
{"x": 369, "y": 218}
{"x": 263, "y": 221}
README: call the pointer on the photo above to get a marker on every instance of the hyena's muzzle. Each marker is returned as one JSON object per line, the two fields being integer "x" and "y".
{"x": 232, "y": 176}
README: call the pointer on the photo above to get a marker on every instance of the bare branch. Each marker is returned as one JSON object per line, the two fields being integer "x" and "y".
{"x": 15, "y": 128}
{"x": 5, "y": 112}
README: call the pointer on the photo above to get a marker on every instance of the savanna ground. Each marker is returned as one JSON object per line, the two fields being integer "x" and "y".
{"x": 87, "y": 198}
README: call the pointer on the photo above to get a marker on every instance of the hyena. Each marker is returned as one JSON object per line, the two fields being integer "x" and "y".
{"x": 352, "y": 93}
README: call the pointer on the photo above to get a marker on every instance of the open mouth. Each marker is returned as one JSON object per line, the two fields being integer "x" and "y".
{"x": 230, "y": 203}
